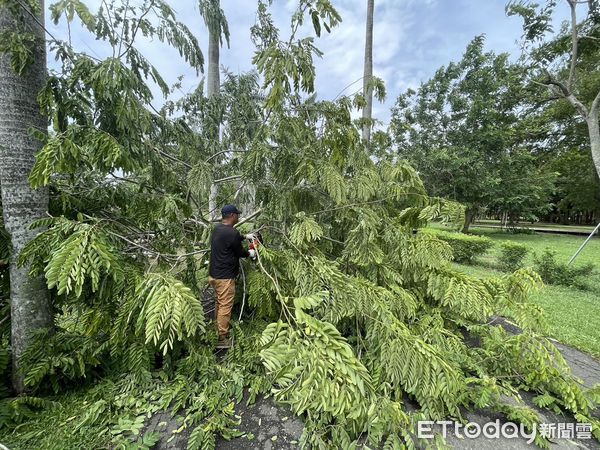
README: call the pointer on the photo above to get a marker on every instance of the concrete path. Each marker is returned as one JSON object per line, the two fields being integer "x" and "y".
{"x": 269, "y": 426}
{"x": 583, "y": 366}
{"x": 542, "y": 229}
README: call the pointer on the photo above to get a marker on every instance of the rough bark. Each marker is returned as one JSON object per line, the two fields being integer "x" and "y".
{"x": 470, "y": 214}
{"x": 367, "y": 113}
{"x": 21, "y": 204}
{"x": 594, "y": 133}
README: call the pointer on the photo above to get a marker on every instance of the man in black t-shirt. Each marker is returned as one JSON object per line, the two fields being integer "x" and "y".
{"x": 225, "y": 251}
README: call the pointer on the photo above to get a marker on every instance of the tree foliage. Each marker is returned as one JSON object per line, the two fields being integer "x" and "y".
{"x": 465, "y": 131}
{"x": 355, "y": 310}
{"x": 565, "y": 62}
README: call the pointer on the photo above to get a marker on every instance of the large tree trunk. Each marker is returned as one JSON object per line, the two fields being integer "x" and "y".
{"x": 21, "y": 205}
{"x": 213, "y": 83}
{"x": 594, "y": 132}
{"x": 368, "y": 74}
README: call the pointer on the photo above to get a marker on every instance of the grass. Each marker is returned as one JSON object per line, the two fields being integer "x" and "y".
{"x": 564, "y": 245}
{"x": 573, "y": 314}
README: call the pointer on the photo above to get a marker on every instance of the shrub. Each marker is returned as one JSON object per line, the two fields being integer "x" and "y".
{"x": 465, "y": 247}
{"x": 512, "y": 256}
{"x": 555, "y": 272}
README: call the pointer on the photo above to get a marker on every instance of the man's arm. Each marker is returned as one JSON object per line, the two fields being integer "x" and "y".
{"x": 237, "y": 247}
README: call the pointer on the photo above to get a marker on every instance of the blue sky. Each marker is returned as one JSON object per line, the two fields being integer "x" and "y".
{"x": 412, "y": 38}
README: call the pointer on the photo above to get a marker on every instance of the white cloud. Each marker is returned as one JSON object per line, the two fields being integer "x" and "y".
{"x": 412, "y": 38}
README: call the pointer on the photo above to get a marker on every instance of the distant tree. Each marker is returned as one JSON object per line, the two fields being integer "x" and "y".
{"x": 561, "y": 141}
{"x": 462, "y": 130}
{"x": 577, "y": 187}
{"x": 22, "y": 76}
{"x": 349, "y": 309}
{"x": 567, "y": 63}
{"x": 525, "y": 190}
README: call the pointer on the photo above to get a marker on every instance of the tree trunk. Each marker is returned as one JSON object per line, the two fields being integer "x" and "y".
{"x": 368, "y": 74}
{"x": 213, "y": 85}
{"x": 594, "y": 133}
{"x": 21, "y": 204}
{"x": 213, "y": 208}
{"x": 469, "y": 216}
{"x": 248, "y": 202}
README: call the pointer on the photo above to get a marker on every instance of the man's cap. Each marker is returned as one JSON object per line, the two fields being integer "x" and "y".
{"x": 230, "y": 209}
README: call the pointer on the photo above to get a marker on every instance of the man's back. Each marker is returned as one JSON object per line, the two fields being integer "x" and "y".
{"x": 225, "y": 250}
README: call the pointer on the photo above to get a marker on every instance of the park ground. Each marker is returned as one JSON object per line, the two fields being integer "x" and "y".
{"x": 573, "y": 314}
{"x": 574, "y": 320}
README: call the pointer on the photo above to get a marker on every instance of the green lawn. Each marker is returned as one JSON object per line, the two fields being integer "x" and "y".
{"x": 564, "y": 245}
{"x": 573, "y": 314}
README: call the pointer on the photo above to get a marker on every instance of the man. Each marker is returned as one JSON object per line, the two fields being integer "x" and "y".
{"x": 225, "y": 251}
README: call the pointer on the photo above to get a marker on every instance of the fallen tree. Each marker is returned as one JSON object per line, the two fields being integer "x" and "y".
{"x": 351, "y": 308}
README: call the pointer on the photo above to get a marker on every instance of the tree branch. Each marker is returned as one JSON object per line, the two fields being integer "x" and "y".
{"x": 193, "y": 221}
{"x": 250, "y": 217}
{"x": 566, "y": 93}
{"x": 222, "y": 152}
{"x": 223, "y": 180}
{"x": 574, "y": 43}
{"x": 130, "y": 44}
{"x": 172, "y": 158}
{"x": 153, "y": 252}
{"x": 239, "y": 190}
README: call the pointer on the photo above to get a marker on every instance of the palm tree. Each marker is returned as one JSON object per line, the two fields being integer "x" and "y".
{"x": 215, "y": 21}
{"x": 20, "y": 81}
{"x": 368, "y": 74}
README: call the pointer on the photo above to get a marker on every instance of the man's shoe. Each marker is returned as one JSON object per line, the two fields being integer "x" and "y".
{"x": 224, "y": 343}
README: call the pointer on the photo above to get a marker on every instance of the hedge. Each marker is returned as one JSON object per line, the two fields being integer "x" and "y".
{"x": 512, "y": 256}
{"x": 465, "y": 247}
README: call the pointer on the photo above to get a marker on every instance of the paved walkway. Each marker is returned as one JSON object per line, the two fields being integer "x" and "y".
{"x": 271, "y": 427}
{"x": 542, "y": 229}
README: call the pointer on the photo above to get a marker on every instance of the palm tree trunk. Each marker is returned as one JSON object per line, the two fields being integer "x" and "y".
{"x": 368, "y": 74}
{"x": 213, "y": 85}
{"x": 213, "y": 76}
{"x": 21, "y": 205}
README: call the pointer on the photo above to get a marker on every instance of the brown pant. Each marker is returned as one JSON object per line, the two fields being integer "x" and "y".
{"x": 225, "y": 290}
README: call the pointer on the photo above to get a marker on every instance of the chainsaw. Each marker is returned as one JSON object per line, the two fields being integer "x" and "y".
{"x": 255, "y": 240}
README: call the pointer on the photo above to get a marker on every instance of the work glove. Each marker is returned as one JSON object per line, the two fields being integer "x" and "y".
{"x": 250, "y": 236}
{"x": 253, "y": 254}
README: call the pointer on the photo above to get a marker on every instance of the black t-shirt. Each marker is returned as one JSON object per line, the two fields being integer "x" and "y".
{"x": 225, "y": 249}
